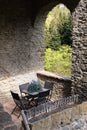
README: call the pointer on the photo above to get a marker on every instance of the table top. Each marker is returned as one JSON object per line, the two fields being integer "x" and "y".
{"x": 35, "y": 93}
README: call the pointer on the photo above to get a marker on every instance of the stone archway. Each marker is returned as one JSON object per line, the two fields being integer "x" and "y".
{"x": 79, "y": 61}
{"x": 22, "y": 38}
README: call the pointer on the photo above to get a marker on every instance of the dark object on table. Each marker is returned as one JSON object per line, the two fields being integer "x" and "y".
{"x": 34, "y": 86}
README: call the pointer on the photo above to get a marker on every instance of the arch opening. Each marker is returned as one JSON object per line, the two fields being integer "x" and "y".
{"x": 22, "y": 46}
{"x": 79, "y": 68}
{"x": 58, "y": 40}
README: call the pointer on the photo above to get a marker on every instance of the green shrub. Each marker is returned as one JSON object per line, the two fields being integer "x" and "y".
{"x": 59, "y": 61}
{"x": 34, "y": 86}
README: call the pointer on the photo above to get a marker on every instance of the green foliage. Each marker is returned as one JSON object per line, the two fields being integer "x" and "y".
{"x": 65, "y": 30}
{"x": 34, "y": 86}
{"x": 53, "y": 39}
{"x": 58, "y": 28}
{"x": 59, "y": 61}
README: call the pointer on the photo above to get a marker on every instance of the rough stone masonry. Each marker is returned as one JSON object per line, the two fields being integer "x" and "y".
{"x": 22, "y": 38}
{"x": 79, "y": 62}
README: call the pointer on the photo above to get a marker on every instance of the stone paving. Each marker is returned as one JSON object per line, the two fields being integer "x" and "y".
{"x": 10, "y": 121}
{"x": 13, "y": 83}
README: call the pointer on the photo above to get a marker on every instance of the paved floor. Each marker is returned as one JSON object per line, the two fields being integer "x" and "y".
{"x": 7, "y": 103}
{"x": 13, "y": 83}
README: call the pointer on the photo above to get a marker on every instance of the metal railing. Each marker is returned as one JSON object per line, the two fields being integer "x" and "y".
{"x": 50, "y": 106}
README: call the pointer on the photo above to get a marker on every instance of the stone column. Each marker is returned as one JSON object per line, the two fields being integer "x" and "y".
{"x": 79, "y": 61}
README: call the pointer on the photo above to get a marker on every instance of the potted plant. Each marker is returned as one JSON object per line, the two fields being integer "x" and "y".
{"x": 34, "y": 86}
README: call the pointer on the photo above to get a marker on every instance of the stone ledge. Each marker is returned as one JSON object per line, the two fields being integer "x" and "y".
{"x": 62, "y": 84}
{"x": 49, "y": 75}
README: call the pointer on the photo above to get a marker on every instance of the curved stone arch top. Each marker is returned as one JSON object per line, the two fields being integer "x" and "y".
{"x": 45, "y": 7}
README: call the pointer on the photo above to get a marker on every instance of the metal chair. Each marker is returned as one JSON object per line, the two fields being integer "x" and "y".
{"x": 43, "y": 97}
{"x": 49, "y": 85}
{"x": 23, "y": 89}
{"x": 22, "y": 104}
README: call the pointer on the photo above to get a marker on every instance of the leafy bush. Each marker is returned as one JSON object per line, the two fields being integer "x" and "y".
{"x": 34, "y": 86}
{"x": 59, "y": 61}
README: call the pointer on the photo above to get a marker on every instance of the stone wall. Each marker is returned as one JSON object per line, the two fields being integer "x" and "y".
{"x": 79, "y": 75}
{"x": 21, "y": 44}
{"x": 22, "y": 34}
{"x": 62, "y": 84}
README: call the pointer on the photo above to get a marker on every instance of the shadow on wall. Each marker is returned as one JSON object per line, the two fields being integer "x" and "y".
{"x": 3, "y": 73}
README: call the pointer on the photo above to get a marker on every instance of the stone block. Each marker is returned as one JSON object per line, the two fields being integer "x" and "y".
{"x": 76, "y": 112}
{"x": 43, "y": 124}
{"x": 55, "y": 120}
{"x": 84, "y": 107}
{"x": 65, "y": 116}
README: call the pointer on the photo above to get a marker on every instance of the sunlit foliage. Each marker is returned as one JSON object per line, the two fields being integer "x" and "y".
{"x": 59, "y": 61}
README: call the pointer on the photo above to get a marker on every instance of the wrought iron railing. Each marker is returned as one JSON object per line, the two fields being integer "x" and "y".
{"x": 50, "y": 106}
